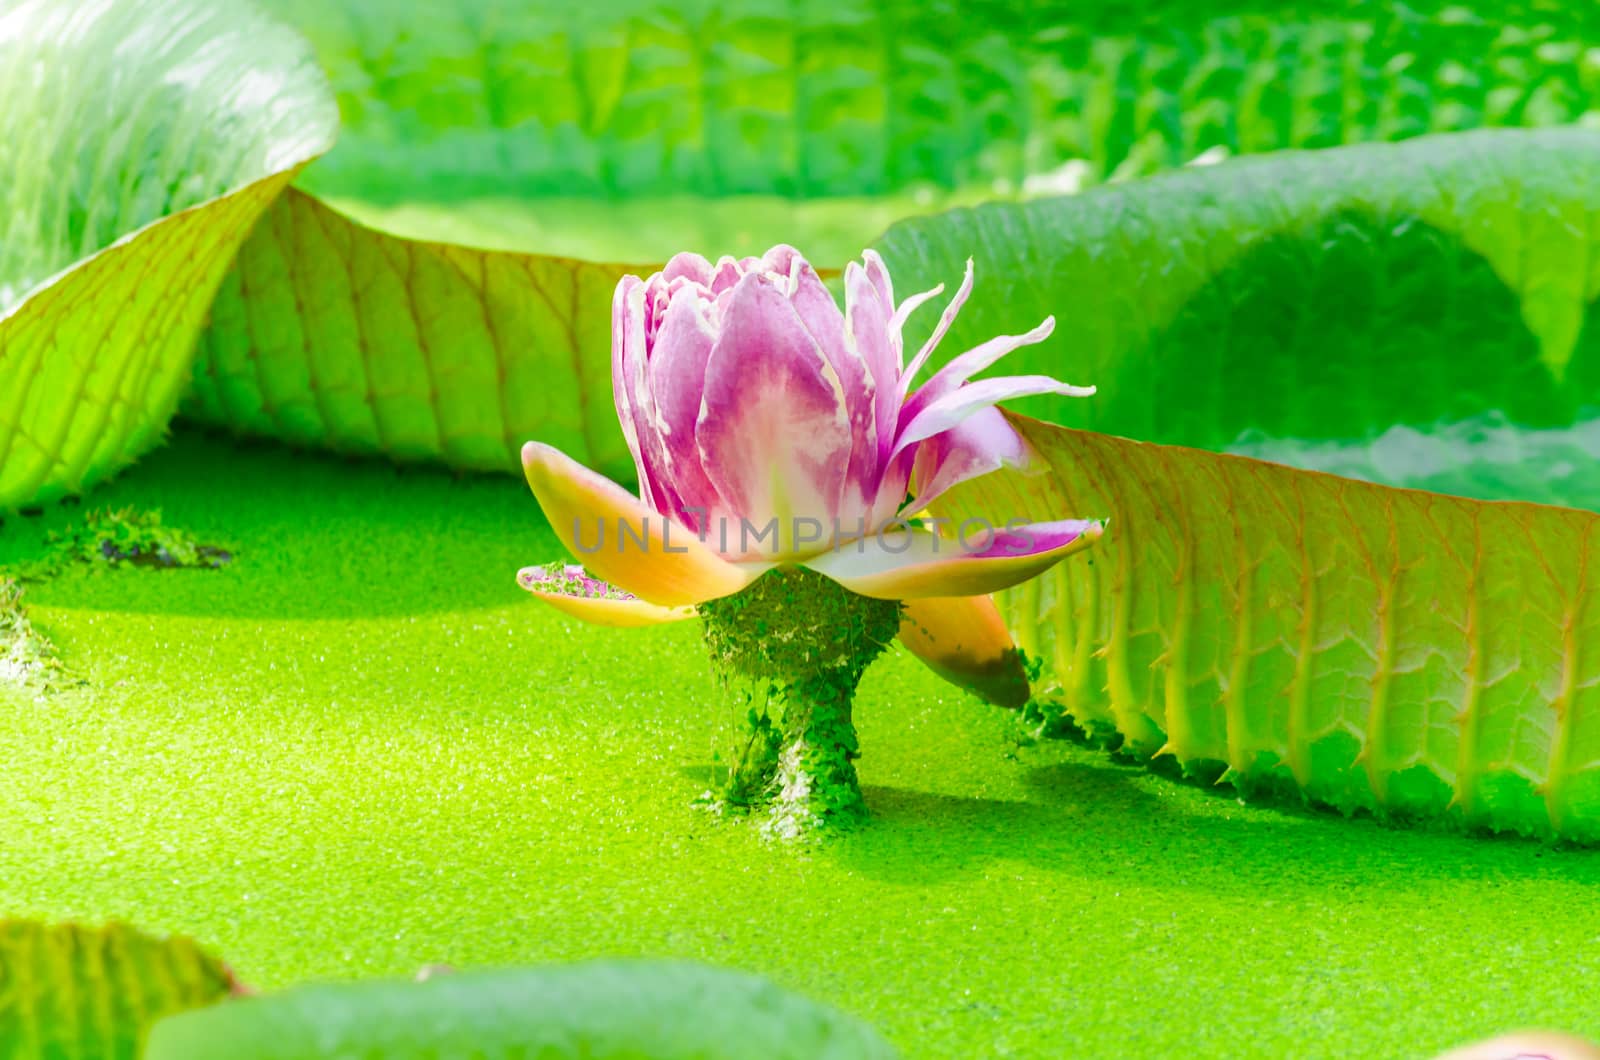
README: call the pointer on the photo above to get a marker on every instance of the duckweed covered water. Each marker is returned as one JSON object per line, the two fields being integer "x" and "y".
{"x": 360, "y": 748}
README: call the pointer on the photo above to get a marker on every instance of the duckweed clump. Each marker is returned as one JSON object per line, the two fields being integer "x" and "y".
{"x": 27, "y": 657}
{"x": 808, "y": 639}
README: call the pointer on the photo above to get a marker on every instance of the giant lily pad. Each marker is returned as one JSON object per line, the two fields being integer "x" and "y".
{"x": 140, "y": 141}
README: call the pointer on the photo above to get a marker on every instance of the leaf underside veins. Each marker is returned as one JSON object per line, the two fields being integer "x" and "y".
{"x": 1397, "y": 651}
{"x": 1420, "y": 314}
{"x": 131, "y": 183}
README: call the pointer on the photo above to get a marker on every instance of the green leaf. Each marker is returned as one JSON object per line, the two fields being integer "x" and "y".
{"x": 1418, "y": 314}
{"x": 355, "y": 320}
{"x": 140, "y": 141}
{"x": 627, "y": 132}
{"x": 331, "y": 334}
{"x": 616, "y": 132}
{"x": 1378, "y": 649}
{"x": 75, "y": 993}
{"x": 630, "y": 130}
{"x": 596, "y": 1010}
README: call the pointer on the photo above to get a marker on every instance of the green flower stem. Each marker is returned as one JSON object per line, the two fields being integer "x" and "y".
{"x": 811, "y": 639}
{"x": 755, "y": 771}
{"x": 816, "y": 774}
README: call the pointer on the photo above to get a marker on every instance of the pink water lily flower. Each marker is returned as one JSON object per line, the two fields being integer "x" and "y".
{"x": 769, "y": 428}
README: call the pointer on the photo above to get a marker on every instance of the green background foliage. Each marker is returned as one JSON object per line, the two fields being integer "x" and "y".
{"x": 1433, "y": 295}
{"x": 530, "y": 140}
{"x": 539, "y": 112}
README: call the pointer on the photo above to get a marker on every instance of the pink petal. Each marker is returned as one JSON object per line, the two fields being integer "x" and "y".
{"x": 821, "y": 317}
{"x": 982, "y": 443}
{"x": 878, "y": 274}
{"x": 657, "y": 293}
{"x": 903, "y": 311}
{"x": 868, "y": 283}
{"x": 965, "y": 366}
{"x": 726, "y": 274}
{"x": 949, "y": 410}
{"x": 627, "y": 343}
{"x": 845, "y": 352}
{"x": 964, "y": 640}
{"x": 624, "y": 543}
{"x": 690, "y": 266}
{"x": 676, "y": 382}
{"x": 781, "y": 258}
{"x": 898, "y": 564}
{"x": 630, "y": 391}
{"x": 892, "y": 487}
{"x": 946, "y": 318}
{"x": 773, "y": 430}
{"x": 867, "y": 332}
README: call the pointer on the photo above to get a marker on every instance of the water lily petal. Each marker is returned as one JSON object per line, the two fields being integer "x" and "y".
{"x": 658, "y": 559}
{"x": 630, "y": 388}
{"x": 821, "y": 316}
{"x": 983, "y": 442}
{"x": 676, "y": 382}
{"x": 779, "y": 260}
{"x": 603, "y": 610}
{"x": 851, "y": 363}
{"x": 964, "y": 640}
{"x": 867, "y": 338}
{"x": 690, "y": 266}
{"x": 869, "y": 310}
{"x": 773, "y": 429}
{"x": 964, "y": 367}
{"x": 725, "y": 275}
{"x": 892, "y": 487}
{"x": 628, "y": 342}
{"x": 903, "y": 312}
{"x": 949, "y": 410}
{"x": 913, "y": 564}
{"x": 946, "y": 318}
{"x": 878, "y": 274}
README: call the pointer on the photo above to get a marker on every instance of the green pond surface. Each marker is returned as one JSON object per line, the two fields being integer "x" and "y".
{"x": 361, "y": 748}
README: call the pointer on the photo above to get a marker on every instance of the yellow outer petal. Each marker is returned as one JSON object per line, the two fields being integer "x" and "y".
{"x": 1544, "y": 1045}
{"x": 964, "y": 640}
{"x": 673, "y": 567}
{"x": 604, "y": 611}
